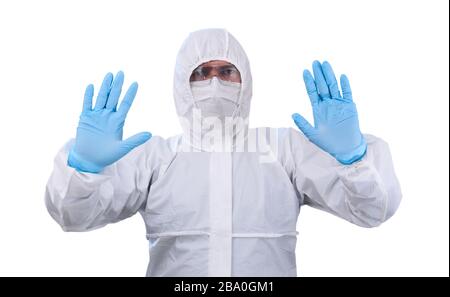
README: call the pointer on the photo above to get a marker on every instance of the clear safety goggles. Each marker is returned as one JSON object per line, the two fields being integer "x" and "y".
{"x": 225, "y": 72}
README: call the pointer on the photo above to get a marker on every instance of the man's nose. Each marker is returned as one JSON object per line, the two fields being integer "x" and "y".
{"x": 212, "y": 73}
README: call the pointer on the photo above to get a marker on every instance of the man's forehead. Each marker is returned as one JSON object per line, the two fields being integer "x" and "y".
{"x": 216, "y": 63}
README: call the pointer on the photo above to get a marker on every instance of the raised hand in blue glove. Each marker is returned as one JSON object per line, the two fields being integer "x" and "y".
{"x": 99, "y": 134}
{"x": 336, "y": 127}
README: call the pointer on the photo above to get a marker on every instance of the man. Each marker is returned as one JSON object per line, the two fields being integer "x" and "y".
{"x": 221, "y": 199}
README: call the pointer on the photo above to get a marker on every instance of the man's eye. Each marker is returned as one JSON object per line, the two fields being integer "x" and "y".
{"x": 227, "y": 71}
{"x": 204, "y": 72}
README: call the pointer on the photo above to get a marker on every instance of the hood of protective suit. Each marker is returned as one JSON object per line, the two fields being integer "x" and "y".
{"x": 200, "y": 47}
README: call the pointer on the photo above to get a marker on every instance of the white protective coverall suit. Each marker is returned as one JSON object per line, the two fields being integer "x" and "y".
{"x": 223, "y": 213}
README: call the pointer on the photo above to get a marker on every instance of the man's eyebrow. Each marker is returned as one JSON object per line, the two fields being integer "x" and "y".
{"x": 229, "y": 65}
{"x": 216, "y": 66}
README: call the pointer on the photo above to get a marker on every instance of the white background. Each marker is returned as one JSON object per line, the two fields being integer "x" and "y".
{"x": 394, "y": 52}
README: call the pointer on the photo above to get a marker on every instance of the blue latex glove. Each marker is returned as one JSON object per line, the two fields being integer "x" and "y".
{"x": 336, "y": 127}
{"x": 99, "y": 134}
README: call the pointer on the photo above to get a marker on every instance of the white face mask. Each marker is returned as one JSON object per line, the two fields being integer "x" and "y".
{"x": 215, "y": 97}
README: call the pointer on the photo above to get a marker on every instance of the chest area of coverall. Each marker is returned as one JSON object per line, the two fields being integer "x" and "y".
{"x": 260, "y": 193}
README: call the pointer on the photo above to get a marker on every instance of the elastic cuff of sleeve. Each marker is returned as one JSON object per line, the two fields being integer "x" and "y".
{"x": 356, "y": 155}
{"x": 81, "y": 165}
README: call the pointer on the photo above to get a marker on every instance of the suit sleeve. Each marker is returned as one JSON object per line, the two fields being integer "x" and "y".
{"x": 365, "y": 193}
{"x": 80, "y": 201}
